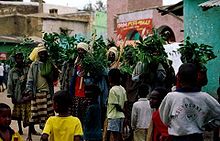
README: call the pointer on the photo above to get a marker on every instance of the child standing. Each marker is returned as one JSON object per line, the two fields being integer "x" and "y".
{"x": 141, "y": 114}
{"x": 116, "y": 100}
{"x": 187, "y": 110}
{"x": 63, "y": 127}
{"x": 159, "y": 131}
{"x": 6, "y": 133}
{"x": 92, "y": 123}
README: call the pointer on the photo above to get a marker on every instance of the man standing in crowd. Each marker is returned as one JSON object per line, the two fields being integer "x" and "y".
{"x": 40, "y": 87}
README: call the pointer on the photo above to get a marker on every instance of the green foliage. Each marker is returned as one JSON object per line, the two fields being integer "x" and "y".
{"x": 96, "y": 61}
{"x": 129, "y": 59}
{"x": 24, "y": 47}
{"x": 151, "y": 49}
{"x": 192, "y": 52}
{"x": 61, "y": 47}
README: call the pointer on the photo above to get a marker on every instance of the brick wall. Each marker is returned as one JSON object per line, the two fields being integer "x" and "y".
{"x": 114, "y": 7}
{"x": 142, "y": 4}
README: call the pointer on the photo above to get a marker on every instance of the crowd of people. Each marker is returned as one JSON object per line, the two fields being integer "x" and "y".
{"x": 151, "y": 104}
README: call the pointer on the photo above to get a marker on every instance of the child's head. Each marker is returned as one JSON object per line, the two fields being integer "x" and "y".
{"x": 187, "y": 75}
{"x": 114, "y": 76}
{"x": 5, "y": 115}
{"x": 156, "y": 96}
{"x": 143, "y": 90}
{"x": 61, "y": 101}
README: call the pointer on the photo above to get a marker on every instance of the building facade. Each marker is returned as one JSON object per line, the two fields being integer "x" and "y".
{"x": 203, "y": 27}
{"x": 100, "y": 24}
{"x": 115, "y": 7}
{"x": 133, "y": 25}
{"x": 19, "y": 20}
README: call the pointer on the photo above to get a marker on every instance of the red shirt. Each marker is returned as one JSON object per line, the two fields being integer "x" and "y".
{"x": 79, "y": 85}
{"x": 160, "y": 130}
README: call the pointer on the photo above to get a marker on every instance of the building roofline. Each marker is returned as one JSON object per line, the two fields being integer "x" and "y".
{"x": 48, "y": 16}
{"x": 19, "y": 3}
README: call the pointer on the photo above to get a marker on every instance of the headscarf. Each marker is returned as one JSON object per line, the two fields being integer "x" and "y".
{"x": 114, "y": 50}
{"x": 34, "y": 54}
{"x": 83, "y": 46}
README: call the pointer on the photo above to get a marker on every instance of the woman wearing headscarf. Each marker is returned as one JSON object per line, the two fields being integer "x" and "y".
{"x": 72, "y": 80}
{"x": 112, "y": 56}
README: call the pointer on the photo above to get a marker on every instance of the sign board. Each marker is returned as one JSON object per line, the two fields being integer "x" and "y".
{"x": 142, "y": 26}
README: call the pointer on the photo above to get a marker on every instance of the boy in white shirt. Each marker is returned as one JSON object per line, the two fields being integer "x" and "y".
{"x": 141, "y": 114}
{"x": 187, "y": 110}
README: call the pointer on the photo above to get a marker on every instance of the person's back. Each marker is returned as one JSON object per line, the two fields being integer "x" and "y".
{"x": 62, "y": 127}
{"x": 115, "y": 108}
{"x": 141, "y": 114}
{"x": 191, "y": 111}
{"x": 187, "y": 110}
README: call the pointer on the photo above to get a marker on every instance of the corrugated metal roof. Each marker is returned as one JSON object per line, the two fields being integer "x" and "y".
{"x": 210, "y": 3}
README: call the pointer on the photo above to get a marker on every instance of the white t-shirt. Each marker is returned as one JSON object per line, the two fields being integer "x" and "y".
{"x": 141, "y": 114}
{"x": 186, "y": 112}
{"x": 1, "y": 70}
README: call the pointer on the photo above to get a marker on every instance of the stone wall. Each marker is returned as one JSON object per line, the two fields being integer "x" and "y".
{"x": 7, "y": 25}
{"x": 20, "y": 26}
{"x": 22, "y": 9}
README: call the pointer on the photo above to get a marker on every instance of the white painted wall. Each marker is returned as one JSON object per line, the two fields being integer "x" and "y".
{"x": 61, "y": 9}
{"x": 50, "y": 26}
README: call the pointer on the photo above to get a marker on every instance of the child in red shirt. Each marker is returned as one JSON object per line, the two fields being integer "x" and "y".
{"x": 159, "y": 131}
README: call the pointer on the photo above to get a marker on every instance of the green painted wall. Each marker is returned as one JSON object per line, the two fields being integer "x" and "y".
{"x": 100, "y": 24}
{"x": 204, "y": 27}
{"x": 6, "y": 47}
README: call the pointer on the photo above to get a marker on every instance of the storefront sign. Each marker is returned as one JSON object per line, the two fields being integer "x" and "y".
{"x": 130, "y": 28}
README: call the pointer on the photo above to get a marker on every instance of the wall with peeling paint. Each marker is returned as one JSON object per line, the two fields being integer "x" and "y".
{"x": 204, "y": 27}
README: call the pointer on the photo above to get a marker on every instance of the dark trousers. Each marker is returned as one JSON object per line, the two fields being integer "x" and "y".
{"x": 192, "y": 137}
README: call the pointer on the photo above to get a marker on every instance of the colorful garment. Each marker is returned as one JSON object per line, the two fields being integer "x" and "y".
{"x": 63, "y": 128}
{"x": 72, "y": 80}
{"x": 41, "y": 103}
{"x": 159, "y": 129}
{"x": 79, "y": 82}
{"x": 41, "y": 108}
